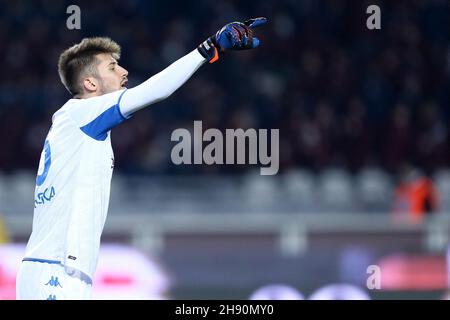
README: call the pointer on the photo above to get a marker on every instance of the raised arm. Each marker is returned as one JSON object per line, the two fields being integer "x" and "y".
{"x": 233, "y": 36}
{"x": 162, "y": 84}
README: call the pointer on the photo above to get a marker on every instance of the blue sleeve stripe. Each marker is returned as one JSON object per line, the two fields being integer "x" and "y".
{"x": 98, "y": 128}
{"x": 118, "y": 104}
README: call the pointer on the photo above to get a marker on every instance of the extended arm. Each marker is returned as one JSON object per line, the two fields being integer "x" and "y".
{"x": 162, "y": 84}
{"x": 233, "y": 36}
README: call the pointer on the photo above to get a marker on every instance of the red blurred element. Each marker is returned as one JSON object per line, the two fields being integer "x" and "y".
{"x": 401, "y": 272}
{"x": 7, "y": 286}
{"x": 116, "y": 279}
{"x": 415, "y": 197}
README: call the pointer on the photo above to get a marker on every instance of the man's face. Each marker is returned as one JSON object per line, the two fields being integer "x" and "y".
{"x": 112, "y": 77}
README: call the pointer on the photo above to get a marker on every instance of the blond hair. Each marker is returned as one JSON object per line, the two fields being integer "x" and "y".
{"x": 79, "y": 60}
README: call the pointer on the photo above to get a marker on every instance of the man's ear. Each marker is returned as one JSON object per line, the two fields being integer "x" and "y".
{"x": 90, "y": 84}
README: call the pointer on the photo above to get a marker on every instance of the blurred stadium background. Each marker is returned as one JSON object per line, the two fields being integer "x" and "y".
{"x": 363, "y": 118}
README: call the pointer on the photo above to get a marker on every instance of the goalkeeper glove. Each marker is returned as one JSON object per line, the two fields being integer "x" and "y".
{"x": 233, "y": 36}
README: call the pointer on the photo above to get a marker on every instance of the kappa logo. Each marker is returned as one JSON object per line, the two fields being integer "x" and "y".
{"x": 53, "y": 282}
{"x": 51, "y": 297}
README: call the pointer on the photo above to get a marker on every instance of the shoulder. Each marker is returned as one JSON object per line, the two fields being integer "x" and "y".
{"x": 108, "y": 98}
{"x": 111, "y": 98}
{"x": 92, "y": 110}
{"x": 60, "y": 112}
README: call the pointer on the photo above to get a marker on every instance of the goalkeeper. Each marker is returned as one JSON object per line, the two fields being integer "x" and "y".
{"x": 75, "y": 169}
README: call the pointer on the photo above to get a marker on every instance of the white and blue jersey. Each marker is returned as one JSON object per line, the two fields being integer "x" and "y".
{"x": 73, "y": 183}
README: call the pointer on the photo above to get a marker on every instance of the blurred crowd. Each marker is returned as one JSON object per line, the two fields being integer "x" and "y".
{"x": 341, "y": 95}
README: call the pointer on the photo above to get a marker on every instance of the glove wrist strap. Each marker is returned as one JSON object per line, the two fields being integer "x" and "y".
{"x": 209, "y": 50}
